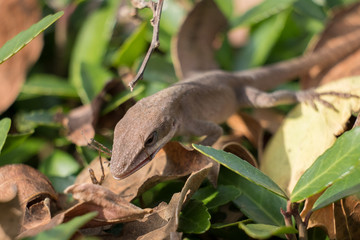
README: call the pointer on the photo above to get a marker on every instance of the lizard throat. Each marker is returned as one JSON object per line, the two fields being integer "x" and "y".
{"x": 139, "y": 166}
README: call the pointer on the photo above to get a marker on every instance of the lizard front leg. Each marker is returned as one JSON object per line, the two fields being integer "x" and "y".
{"x": 199, "y": 128}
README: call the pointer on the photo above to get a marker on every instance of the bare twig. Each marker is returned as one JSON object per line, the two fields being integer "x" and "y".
{"x": 155, "y": 22}
{"x": 288, "y": 220}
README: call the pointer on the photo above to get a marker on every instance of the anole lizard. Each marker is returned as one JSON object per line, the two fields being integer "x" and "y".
{"x": 196, "y": 105}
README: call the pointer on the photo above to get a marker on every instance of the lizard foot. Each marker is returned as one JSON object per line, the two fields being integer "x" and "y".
{"x": 310, "y": 97}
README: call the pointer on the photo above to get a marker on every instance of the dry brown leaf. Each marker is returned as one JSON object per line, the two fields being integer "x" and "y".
{"x": 243, "y": 124}
{"x": 240, "y": 151}
{"x": 172, "y": 162}
{"x": 343, "y": 22}
{"x": 194, "y": 45}
{"x": 35, "y": 194}
{"x": 11, "y": 216}
{"x": 16, "y": 16}
{"x": 111, "y": 207}
{"x": 347, "y": 218}
{"x": 323, "y": 217}
{"x": 163, "y": 222}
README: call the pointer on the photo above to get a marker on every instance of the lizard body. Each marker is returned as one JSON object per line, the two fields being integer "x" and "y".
{"x": 196, "y": 105}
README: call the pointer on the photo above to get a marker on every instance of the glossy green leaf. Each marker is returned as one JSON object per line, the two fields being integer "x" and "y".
{"x": 263, "y": 231}
{"x": 4, "y": 129}
{"x": 241, "y": 167}
{"x": 86, "y": 71}
{"x": 65, "y": 230}
{"x": 257, "y": 203}
{"x": 59, "y": 164}
{"x": 213, "y": 198}
{"x": 132, "y": 48}
{"x": 333, "y": 165}
{"x": 311, "y": 9}
{"x": 347, "y": 186}
{"x": 48, "y": 85}
{"x": 14, "y": 140}
{"x": 23, "y": 38}
{"x": 119, "y": 99}
{"x": 194, "y": 218}
{"x": 262, "y": 41}
{"x": 262, "y": 11}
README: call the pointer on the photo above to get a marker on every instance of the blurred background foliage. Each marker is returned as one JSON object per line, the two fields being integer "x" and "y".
{"x": 96, "y": 41}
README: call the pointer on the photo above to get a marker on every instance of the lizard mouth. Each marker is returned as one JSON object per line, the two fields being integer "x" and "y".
{"x": 139, "y": 166}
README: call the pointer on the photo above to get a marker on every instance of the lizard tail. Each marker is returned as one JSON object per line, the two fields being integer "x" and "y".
{"x": 268, "y": 77}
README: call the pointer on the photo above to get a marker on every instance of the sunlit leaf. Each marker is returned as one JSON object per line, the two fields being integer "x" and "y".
{"x": 347, "y": 186}
{"x": 333, "y": 165}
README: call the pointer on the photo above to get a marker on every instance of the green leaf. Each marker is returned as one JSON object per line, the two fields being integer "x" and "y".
{"x": 14, "y": 140}
{"x": 121, "y": 98}
{"x": 65, "y": 230}
{"x": 347, "y": 186}
{"x": 333, "y": 165}
{"x": 61, "y": 183}
{"x": 194, "y": 218}
{"x": 4, "y": 129}
{"x": 22, "y": 152}
{"x": 311, "y": 9}
{"x": 256, "y": 202}
{"x": 213, "y": 198}
{"x": 27, "y": 121}
{"x": 48, "y": 85}
{"x": 59, "y": 164}
{"x": 89, "y": 51}
{"x": 262, "y": 41}
{"x": 132, "y": 48}
{"x": 241, "y": 167}
{"x": 262, "y": 11}
{"x": 263, "y": 231}
{"x": 23, "y": 38}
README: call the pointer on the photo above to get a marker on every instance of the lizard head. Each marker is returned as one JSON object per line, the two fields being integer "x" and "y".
{"x": 138, "y": 136}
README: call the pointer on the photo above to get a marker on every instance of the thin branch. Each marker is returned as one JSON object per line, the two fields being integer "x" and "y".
{"x": 155, "y": 22}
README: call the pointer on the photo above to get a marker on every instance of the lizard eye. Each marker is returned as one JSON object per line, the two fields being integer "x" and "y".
{"x": 151, "y": 140}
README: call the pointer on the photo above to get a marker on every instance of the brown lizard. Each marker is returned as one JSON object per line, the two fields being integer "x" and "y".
{"x": 196, "y": 105}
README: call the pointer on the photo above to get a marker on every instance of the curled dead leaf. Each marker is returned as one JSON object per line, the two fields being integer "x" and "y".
{"x": 163, "y": 222}
{"x": 344, "y": 21}
{"x": 323, "y": 218}
{"x": 111, "y": 207}
{"x": 172, "y": 162}
{"x": 194, "y": 45}
{"x": 35, "y": 194}
{"x": 16, "y": 16}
